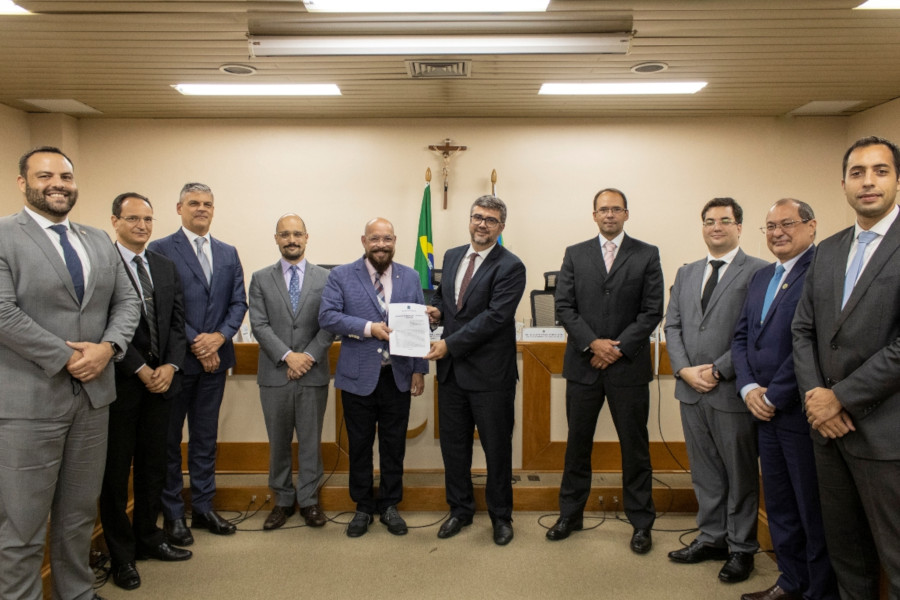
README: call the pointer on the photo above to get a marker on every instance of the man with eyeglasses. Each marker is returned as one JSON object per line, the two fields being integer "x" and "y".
{"x": 609, "y": 297}
{"x": 214, "y": 305}
{"x": 146, "y": 382}
{"x": 847, "y": 360}
{"x": 375, "y": 385}
{"x": 293, "y": 371}
{"x": 764, "y": 367}
{"x": 719, "y": 432}
{"x": 476, "y": 367}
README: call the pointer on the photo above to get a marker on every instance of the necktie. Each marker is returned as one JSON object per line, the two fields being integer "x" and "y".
{"x": 382, "y": 301}
{"x": 710, "y": 283}
{"x": 149, "y": 305}
{"x": 771, "y": 291}
{"x": 379, "y": 292}
{"x": 865, "y": 237}
{"x": 73, "y": 263}
{"x": 609, "y": 255}
{"x": 467, "y": 278}
{"x": 294, "y": 287}
{"x": 201, "y": 256}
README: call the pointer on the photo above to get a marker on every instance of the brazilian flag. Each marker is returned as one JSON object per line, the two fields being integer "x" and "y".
{"x": 424, "y": 263}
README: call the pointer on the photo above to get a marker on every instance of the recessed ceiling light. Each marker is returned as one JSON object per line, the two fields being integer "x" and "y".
{"x": 8, "y": 7}
{"x": 650, "y": 67}
{"x": 258, "y": 89}
{"x": 67, "y": 106}
{"x": 425, "y": 6}
{"x": 242, "y": 70}
{"x": 623, "y": 89}
{"x": 879, "y": 4}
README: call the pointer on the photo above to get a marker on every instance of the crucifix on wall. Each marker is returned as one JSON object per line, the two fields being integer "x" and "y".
{"x": 447, "y": 151}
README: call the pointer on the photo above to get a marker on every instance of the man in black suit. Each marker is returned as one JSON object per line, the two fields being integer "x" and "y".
{"x": 476, "y": 367}
{"x": 146, "y": 381}
{"x": 609, "y": 297}
{"x": 847, "y": 360}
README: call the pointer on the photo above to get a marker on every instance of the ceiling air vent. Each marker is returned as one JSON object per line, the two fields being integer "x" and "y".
{"x": 438, "y": 69}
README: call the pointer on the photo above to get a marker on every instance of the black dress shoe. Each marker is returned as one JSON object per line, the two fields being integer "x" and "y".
{"x": 359, "y": 525}
{"x": 213, "y": 522}
{"x": 452, "y": 526}
{"x": 395, "y": 523}
{"x": 503, "y": 532}
{"x": 563, "y": 527}
{"x": 773, "y": 593}
{"x": 278, "y": 517}
{"x": 177, "y": 532}
{"x": 126, "y": 576}
{"x": 641, "y": 541}
{"x": 313, "y": 515}
{"x": 737, "y": 567}
{"x": 165, "y": 552}
{"x": 698, "y": 552}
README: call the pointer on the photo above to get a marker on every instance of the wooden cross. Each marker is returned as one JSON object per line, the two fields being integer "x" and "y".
{"x": 447, "y": 151}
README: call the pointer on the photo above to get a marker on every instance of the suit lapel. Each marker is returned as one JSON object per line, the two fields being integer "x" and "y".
{"x": 189, "y": 255}
{"x": 309, "y": 279}
{"x": 885, "y": 252}
{"x": 448, "y": 276}
{"x": 94, "y": 254}
{"x": 695, "y": 286}
{"x": 277, "y": 276}
{"x": 839, "y": 270}
{"x": 622, "y": 256}
{"x": 796, "y": 273}
{"x": 39, "y": 237}
{"x": 363, "y": 273}
{"x": 486, "y": 265}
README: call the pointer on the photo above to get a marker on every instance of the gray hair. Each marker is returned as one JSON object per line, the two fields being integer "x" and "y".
{"x": 491, "y": 203}
{"x": 194, "y": 187}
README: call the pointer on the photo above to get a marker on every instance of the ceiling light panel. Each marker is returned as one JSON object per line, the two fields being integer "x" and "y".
{"x": 259, "y": 89}
{"x": 623, "y": 89}
{"x": 405, "y": 45}
{"x": 425, "y": 6}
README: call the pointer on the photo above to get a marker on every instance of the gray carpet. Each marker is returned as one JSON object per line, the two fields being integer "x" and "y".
{"x": 301, "y": 562}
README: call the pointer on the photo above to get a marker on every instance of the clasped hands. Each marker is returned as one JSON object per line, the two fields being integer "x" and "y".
{"x": 605, "y": 353}
{"x": 158, "y": 380}
{"x": 699, "y": 377}
{"x": 826, "y": 415}
{"x": 206, "y": 348}
{"x": 88, "y": 359}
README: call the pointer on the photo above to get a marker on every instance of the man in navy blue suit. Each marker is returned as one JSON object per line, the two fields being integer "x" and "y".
{"x": 214, "y": 303}
{"x": 476, "y": 367}
{"x": 375, "y": 385}
{"x": 764, "y": 365}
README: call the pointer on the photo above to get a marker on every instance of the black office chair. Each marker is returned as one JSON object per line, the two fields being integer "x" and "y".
{"x": 329, "y": 267}
{"x": 436, "y": 277}
{"x": 543, "y": 309}
{"x": 550, "y": 280}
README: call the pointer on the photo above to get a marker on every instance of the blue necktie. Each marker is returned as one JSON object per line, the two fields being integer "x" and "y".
{"x": 204, "y": 262}
{"x": 771, "y": 291}
{"x": 73, "y": 263}
{"x": 856, "y": 266}
{"x": 294, "y": 288}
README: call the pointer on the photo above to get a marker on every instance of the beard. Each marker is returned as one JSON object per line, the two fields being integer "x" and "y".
{"x": 39, "y": 200}
{"x": 292, "y": 252}
{"x": 380, "y": 263}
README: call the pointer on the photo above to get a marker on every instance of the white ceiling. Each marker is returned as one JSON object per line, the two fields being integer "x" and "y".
{"x": 760, "y": 57}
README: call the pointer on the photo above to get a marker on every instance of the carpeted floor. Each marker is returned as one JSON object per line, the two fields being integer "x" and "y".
{"x": 300, "y": 562}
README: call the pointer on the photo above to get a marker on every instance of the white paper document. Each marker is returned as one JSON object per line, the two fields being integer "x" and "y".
{"x": 410, "y": 331}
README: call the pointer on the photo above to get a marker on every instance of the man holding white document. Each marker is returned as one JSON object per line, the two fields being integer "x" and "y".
{"x": 375, "y": 383}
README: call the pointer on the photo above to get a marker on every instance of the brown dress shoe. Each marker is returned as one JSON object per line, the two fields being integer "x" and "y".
{"x": 773, "y": 593}
{"x": 313, "y": 515}
{"x": 278, "y": 517}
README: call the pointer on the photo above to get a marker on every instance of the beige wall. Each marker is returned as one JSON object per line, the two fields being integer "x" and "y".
{"x": 338, "y": 174}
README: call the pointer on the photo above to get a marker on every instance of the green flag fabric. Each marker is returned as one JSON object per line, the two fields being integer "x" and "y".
{"x": 424, "y": 263}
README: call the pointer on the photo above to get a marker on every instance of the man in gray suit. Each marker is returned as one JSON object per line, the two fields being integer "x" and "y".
{"x": 847, "y": 360}
{"x": 67, "y": 308}
{"x": 704, "y": 308}
{"x": 293, "y": 370}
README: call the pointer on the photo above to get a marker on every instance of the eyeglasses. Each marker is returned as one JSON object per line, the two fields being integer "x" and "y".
{"x": 605, "y": 210}
{"x": 488, "y": 221}
{"x": 286, "y": 235}
{"x": 724, "y": 222}
{"x": 135, "y": 220}
{"x": 377, "y": 239}
{"x": 784, "y": 225}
